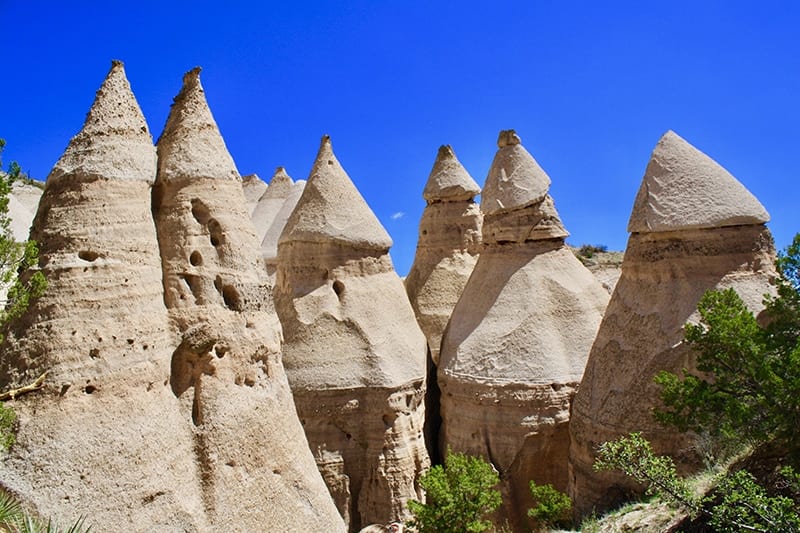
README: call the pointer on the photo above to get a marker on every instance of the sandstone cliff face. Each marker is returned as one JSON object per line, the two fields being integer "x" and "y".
{"x": 515, "y": 348}
{"x": 693, "y": 228}
{"x": 353, "y": 352}
{"x": 256, "y": 470}
{"x": 447, "y": 249}
{"x": 106, "y": 437}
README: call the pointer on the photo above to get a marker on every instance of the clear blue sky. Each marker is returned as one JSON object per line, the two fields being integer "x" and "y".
{"x": 589, "y": 86}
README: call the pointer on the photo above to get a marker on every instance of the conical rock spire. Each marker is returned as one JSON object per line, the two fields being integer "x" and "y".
{"x": 684, "y": 189}
{"x": 270, "y": 203}
{"x": 191, "y": 144}
{"x": 449, "y": 180}
{"x": 114, "y": 142}
{"x": 515, "y": 178}
{"x": 332, "y": 209}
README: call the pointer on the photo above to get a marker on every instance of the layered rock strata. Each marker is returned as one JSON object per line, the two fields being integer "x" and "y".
{"x": 353, "y": 352}
{"x": 105, "y": 438}
{"x": 447, "y": 248}
{"x": 694, "y": 227}
{"x": 517, "y": 341}
{"x": 256, "y": 470}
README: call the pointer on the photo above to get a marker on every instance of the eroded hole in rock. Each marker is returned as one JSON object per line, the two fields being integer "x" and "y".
{"x": 94, "y": 353}
{"x": 231, "y": 298}
{"x": 194, "y": 284}
{"x": 89, "y": 389}
{"x": 220, "y": 350}
{"x": 88, "y": 255}
{"x": 215, "y": 230}
{"x": 338, "y": 288}
{"x": 196, "y": 259}
{"x": 200, "y": 211}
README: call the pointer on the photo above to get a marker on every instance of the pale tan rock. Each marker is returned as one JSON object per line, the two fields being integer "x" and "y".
{"x": 269, "y": 204}
{"x": 683, "y": 188}
{"x": 269, "y": 244}
{"x": 447, "y": 249}
{"x": 354, "y": 354}
{"x": 664, "y": 275}
{"x": 517, "y": 341}
{"x": 257, "y": 471}
{"x": 515, "y": 178}
{"x": 105, "y": 439}
{"x": 253, "y": 188}
{"x": 334, "y": 211}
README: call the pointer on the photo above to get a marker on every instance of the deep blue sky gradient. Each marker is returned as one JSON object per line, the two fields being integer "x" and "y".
{"x": 589, "y": 86}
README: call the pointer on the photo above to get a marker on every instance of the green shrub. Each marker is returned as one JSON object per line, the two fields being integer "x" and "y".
{"x": 552, "y": 508}
{"x": 459, "y": 495}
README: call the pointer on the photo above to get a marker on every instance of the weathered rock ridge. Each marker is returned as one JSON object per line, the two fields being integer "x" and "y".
{"x": 673, "y": 256}
{"x": 353, "y": 352}
{"x": 517, "y": 341}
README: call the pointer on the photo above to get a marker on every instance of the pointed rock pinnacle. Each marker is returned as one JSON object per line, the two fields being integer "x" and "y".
{"x": 683, "y": 189}
{"x": 114, "y": 142}
{"x": 515, "y": 178}
{"x": 332, "y": 210}
{"x": 449, "y": 180}
{"x": 191, "y": 145}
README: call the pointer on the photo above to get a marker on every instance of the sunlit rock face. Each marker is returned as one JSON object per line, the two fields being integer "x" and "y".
{"x": 105, "y": 438}
{"x": 253, "y": 188}
{"x": 517, "y": 341}
{"x": 277, "y": 213}
{"x": 447, "y": 249}
{"x": 225, "y": 371}
{"x": 693, "y": 227}
{"x": 353, "y": 352}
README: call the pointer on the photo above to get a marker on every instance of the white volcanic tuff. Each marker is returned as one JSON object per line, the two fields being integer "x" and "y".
{"x": 447, "y": 249}
{"x": 664, "y": 275}
{"x": 353, "y": 352}
{"x": 333, "y": 209}
{"x": 270, "y": 203}
{"x": 106, "y": 405}
{"x": 269, "y": 244}
{"x": 515, "y": 178}
{"x": 253, "y": 188}
{"x": 683, "y": 188}
{"x": 519, "y": 336}
{"x": 258, "y": 473}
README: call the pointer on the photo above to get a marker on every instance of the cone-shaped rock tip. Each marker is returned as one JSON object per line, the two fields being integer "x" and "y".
{"x": 683, "y": 189}
{"x": 508, "y": 138}
{"x": 515, "y": 179}
{"x": 332, "y": 210}
{"x": 448, "y": 179}
{"x": 280, "y": 185}
{"x": 191, "y": 145}
{"x": 115, "y": 142}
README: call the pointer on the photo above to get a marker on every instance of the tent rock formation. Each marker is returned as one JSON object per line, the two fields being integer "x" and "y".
{"x": 514, "y": 350}
{"x": 693, "y": 227}
{"x": 354, "y": 354}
